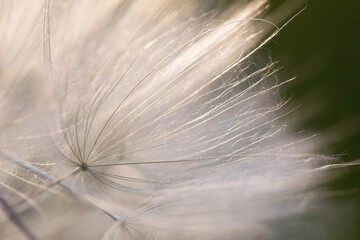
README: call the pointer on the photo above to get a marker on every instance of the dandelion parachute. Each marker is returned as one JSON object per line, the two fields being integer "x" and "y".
{"x": 145, "y": 120}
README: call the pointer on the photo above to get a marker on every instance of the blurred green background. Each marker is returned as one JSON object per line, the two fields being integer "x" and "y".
{"x": 321, "y": 48}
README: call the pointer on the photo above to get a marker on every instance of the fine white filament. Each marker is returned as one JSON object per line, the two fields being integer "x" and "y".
{"x": 146, "y": 120}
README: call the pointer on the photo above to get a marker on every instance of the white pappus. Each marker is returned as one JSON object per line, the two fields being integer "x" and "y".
{"x": 148, "y": 120}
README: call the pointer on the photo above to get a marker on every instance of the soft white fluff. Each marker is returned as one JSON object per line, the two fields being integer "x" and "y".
{"x": 145, "y": 120}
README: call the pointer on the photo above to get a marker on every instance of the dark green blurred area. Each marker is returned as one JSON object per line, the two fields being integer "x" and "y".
{"x": 321, "y": 48}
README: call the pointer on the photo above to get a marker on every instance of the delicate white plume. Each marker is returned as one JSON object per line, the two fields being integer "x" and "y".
{"x": 145, "y": 120}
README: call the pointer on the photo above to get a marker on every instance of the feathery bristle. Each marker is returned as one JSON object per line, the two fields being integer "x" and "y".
{"x": 146, "y": 120}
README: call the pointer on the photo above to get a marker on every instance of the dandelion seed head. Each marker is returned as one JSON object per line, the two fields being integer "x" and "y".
{"x": 162, "y": 117}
